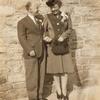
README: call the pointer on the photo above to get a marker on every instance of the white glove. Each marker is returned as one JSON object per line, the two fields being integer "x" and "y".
{"x": 32, "y": 53}
{"x": 60, "y": 39}
{"x": 47, "y": 39}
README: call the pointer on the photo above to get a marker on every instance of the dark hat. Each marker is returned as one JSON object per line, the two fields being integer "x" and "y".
{"x": 51, "y": 3}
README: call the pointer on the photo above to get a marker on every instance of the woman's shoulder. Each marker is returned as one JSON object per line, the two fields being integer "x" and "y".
{"x": 47, "y": 15}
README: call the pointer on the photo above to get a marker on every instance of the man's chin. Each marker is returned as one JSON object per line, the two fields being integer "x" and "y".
{"x": 55, "y": 12}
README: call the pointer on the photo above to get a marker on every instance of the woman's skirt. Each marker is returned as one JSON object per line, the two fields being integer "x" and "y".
{"x": 59, "y": 63}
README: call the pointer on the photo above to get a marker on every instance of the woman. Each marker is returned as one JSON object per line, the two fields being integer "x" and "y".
{"x": 57, "y": 25}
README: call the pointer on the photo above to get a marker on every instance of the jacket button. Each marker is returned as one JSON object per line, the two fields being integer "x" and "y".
{"x": 57, "y": 23}
{"x": 58, "y": 29}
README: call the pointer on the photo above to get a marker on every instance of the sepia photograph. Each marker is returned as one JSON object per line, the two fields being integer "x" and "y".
{"x": 49, "y": 49}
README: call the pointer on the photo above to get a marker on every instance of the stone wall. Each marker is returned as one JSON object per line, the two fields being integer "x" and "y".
{"x": 86, "y": 21}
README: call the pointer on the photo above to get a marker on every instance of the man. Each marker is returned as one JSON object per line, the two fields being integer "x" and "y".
{"x": 30, "y": 33}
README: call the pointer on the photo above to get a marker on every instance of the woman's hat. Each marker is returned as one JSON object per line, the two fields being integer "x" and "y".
{"x": 51, "y": 3}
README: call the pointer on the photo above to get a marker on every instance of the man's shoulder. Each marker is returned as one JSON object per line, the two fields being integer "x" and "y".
{"x": 49, "y": 15}
{"x": 22, "y": 20}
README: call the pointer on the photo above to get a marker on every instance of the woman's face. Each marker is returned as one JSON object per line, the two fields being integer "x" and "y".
{"x": 55, "y": 9}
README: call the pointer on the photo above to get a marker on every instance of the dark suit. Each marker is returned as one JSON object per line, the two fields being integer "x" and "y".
{"x": 30, "y": 38}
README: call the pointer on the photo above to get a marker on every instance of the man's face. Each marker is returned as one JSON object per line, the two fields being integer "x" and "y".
{"x": 34, "y": 9}
{"x": 55, "y": 9}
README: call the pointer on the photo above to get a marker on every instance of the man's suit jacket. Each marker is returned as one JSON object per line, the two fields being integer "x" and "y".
{"x": 30, "y": 36}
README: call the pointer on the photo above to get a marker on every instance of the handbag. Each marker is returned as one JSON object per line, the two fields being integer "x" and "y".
{"x": 60, "y": 48}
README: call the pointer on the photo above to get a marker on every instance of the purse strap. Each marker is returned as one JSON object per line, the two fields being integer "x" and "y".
{"x": 49, "y": 22}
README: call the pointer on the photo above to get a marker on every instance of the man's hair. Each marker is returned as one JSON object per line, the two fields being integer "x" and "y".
{"x": 28, "y": 4}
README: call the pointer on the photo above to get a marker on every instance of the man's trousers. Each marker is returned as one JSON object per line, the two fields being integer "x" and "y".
{"x": 35, "y": 74}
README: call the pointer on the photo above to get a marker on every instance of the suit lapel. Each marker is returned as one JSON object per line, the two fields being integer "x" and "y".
{"x": 32, "y": 24}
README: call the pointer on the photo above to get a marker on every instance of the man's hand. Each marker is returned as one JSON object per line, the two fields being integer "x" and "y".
{"x": 32, "y": 53}
{"x": 47, "y": 39}
{"x": 60, "y": 39}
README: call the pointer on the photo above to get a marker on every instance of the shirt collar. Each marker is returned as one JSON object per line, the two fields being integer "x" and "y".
{"x": 32, "y": 17}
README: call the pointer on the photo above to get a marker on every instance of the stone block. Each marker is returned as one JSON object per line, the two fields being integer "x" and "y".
{"x": 95, "y": 60}
{"x": 14, "y": 56}
{"x": 75, "y": 19}
{"x": 19, "y": 85}
{"x": 90, "y": 52}
{"x": 70, "y": 2}
{"x": 86, "y": 93}
{"x": 15, "y": 77}
{"x": 16, "y": 94}
{"x": 3, "y": 56}
{"x": 94, "y": 3}
{"x": 6, "y": 10}
{"x": 3, "y": 79}
{"x": 83, "y": 75}
{"x": 2, "y": 46}
{"x": 81, "y": 10}
{"x": 16, "y": 66}
{"x": 2, "y": 64}
{"x": 22, "y": 98}
{"x": 16, "y": 71}
{"x": 5, "y": 87}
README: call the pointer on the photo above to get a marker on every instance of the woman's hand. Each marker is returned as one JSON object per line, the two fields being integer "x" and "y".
{"x": 47, "y": 39}
{"x": 32, "y": 53}
{"x": 60, "y": 39}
